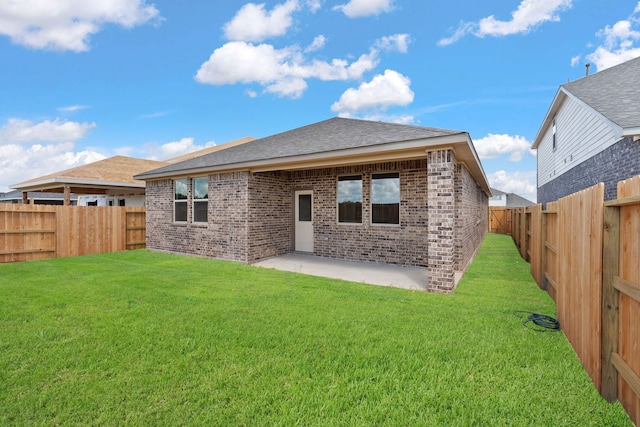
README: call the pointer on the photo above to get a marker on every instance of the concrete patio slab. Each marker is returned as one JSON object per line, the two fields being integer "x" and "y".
{"x": 413, "y": 278}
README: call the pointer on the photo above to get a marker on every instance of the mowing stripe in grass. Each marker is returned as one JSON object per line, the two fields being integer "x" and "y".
{"x": 146, "y": 338}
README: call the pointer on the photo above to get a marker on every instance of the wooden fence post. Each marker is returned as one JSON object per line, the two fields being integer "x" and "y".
{"x": 543, "y": 251}
{"x": 610, "y": 267}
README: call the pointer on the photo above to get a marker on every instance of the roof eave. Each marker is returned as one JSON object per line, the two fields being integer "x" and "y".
{"x": 59, "y": 182}
{"x": 631, "y": 131}
{"x": 413, "y": 149}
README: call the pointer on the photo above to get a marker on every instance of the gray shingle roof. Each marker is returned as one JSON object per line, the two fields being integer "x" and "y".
{"x": 325, "y": 136}
{"x": 613, "y": 92}
{"x": 516, "y": 201}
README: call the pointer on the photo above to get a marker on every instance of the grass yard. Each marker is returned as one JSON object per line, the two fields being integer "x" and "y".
{"x": 141, "y": 338}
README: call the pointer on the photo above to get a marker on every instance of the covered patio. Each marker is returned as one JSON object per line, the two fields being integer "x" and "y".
{"x": 404, "y": 277}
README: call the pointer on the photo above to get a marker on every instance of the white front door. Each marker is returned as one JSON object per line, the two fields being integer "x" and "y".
{"x": 304, "y": 221}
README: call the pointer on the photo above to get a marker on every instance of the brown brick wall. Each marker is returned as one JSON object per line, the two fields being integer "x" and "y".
{"x": 270, "y": 219}
{"x": 403, "y": 244}
{"x": 224, "y": 237}
{"x": 442, "y": 211}
{"x": 442, "y": 217}
{"x": 471, "y": 217}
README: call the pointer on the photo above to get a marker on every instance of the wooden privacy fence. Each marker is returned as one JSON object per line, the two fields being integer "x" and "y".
{"x": 586, "y": 253}
{"x": 499, "y": 220}
{"x": 33, "y": 232}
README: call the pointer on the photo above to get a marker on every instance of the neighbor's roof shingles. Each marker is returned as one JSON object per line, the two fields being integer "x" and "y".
{"x": 613, "y": 92}
{"x": 117, "y": 169}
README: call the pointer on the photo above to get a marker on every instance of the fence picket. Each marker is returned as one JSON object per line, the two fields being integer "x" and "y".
{"x": 590, "y": 265}
{"x": 32, "y": 232}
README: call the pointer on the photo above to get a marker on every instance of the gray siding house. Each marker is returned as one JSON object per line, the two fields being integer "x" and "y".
{"x": 591, "y": 134}
{"x": 508, "y": 200}
{"x": 339, "y": 188}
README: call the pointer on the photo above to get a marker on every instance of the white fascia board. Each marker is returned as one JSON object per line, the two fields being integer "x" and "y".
{"x": 472, "y": 148}
{"x": 634, "y": 131}
{"x": 57, "y": 182}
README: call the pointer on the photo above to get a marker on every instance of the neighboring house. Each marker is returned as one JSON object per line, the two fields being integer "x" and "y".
{"x": 15, "y": 197}
{"x": 591, "y": 134}
{"x": 508, "y": 200}
{"x": 107, "y": 182}
{"x": 340, "y": 188}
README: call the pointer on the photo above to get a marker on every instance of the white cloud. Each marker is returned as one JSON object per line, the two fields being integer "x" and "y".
{"x": 313, "y": 5}
{"x": 280, "y": 71}
{"x": 528, "y": 15}
{"x": 253, "y": 23}
{"x": 68, "y": 25}
{"x": 72, "y": 108}
{"x": 575, "y": 60}
{"x": 522, "y": 183}
{"x": 316, "y": 44}
{"x": 384, "y": 117}
{"x": 184, "y": 146}
{"x": 29, "y": 150}
{"x": 396, "y": 42}
{"x": 285, "y": 71}
{"x": 383, "y": 91}
{"x": 241, "y": 62}
{"x": 292, "y": 87}
{"x": 24, "y": 131}
{"x": 494, "y": 145}
{"x": 171, "y": 149}
{"x": 20, "y": 163}
{"x": 620, "y": 42}
{"x": 153, "y": 115}
{"x": 360, "y": 8}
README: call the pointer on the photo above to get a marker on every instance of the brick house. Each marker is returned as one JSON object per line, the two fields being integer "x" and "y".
{"x": 339, "y": 188}
{"x": 591, "y": 134}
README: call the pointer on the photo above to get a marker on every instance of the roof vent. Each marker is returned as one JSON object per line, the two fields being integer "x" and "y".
{"x": 587, "y": 65}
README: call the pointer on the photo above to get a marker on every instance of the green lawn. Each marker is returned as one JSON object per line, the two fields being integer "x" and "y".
{"x": 141, "y": 338}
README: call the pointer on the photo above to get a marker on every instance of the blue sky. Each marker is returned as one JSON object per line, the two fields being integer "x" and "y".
{"x": 81, "y": 81}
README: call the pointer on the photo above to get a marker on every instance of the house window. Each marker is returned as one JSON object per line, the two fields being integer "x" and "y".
{"x": 200, "y": 199}
{"x": 554, "y": 134}
{"x": 350, "y": 199}
{"x": 180, "y": 200}
{"x": 385, "y": 198}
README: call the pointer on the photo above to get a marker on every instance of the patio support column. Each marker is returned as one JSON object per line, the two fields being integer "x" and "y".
{"x": 441, "y": 208}
{"x": 25, "y": 198}
{"x": 67, "y": 195}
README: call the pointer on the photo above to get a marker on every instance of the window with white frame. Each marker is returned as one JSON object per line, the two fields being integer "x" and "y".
{"x": 350, "y": 199}
{"x": 385, "y": 198}
{"x": 200, "y": 199}
{"x": 555, "y": 142}
{"x": 180, "y": 194}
